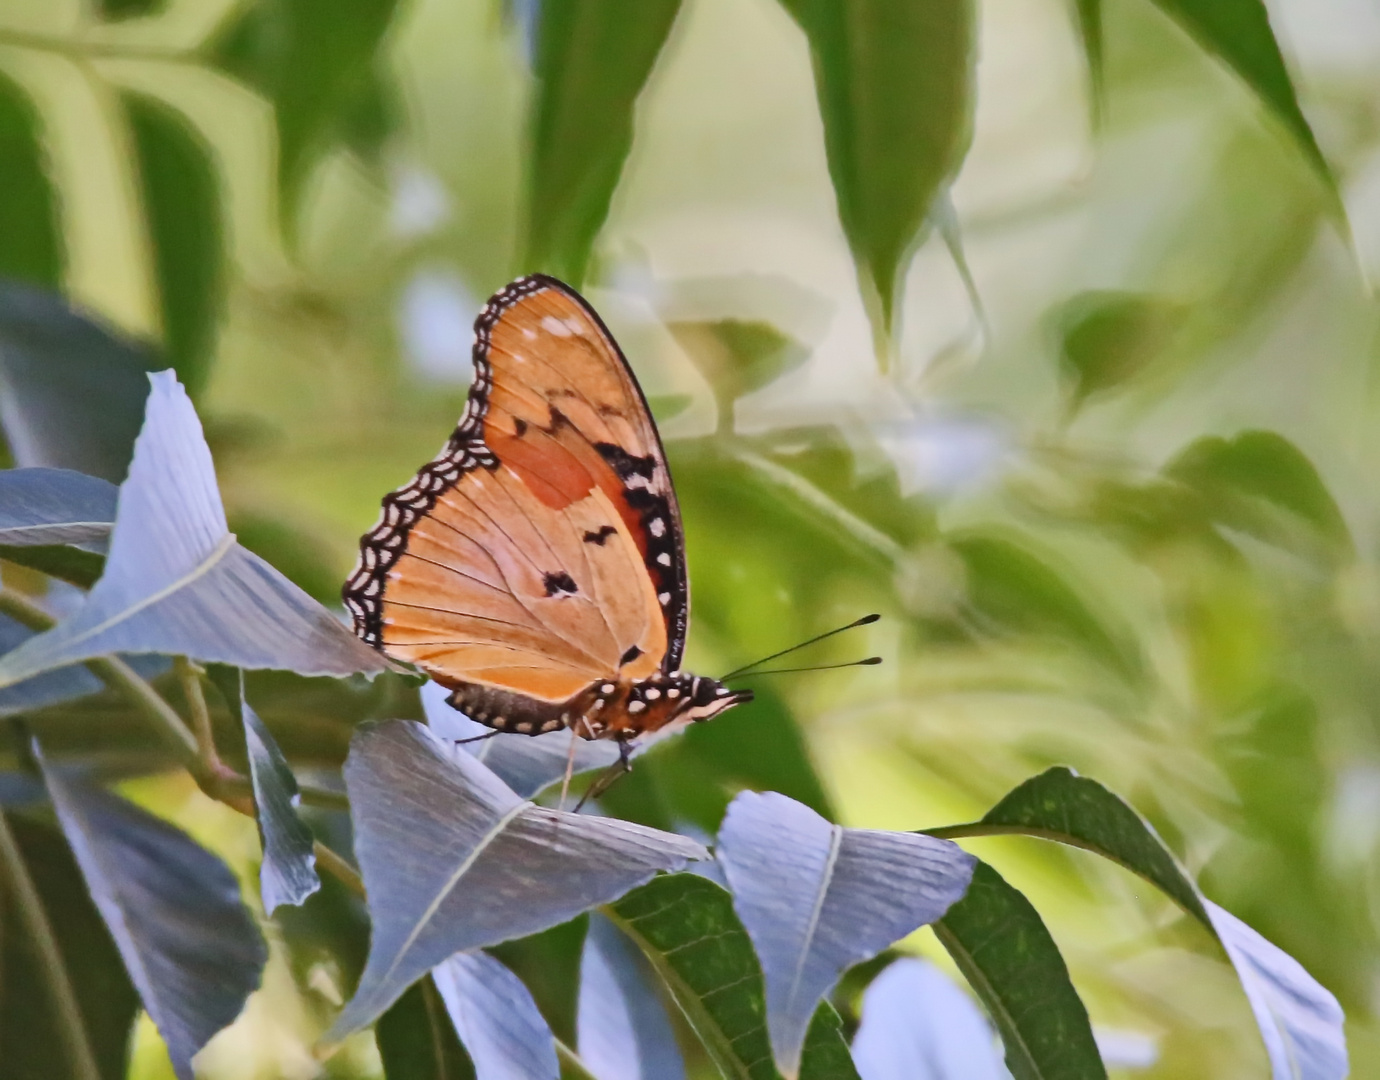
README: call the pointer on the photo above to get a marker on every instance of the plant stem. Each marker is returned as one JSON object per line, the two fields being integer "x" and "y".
{"x": 573, "y": 1064}
{"x": 53, "y": 969}
{"x": 189, "y": 675}
{"x": 335, "y": 864}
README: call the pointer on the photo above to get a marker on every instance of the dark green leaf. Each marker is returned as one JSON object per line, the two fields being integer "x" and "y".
{"x": 895, "y": 86}
{"x": 686, "y": 927}
{"x": 181, "y": 200}
{"x": 591, "y": 60}
{"x": 30, "y": 232}
{"x": 1299, "y": 1021}
{"x": 34, "y": 1043}
{"x": 1260, "y": 482}
{"x": 1000, "y": 943}
{"x": 1011, "y": 589}
{"x": 1238, "y": 32}
{"x": 174, "y": 909}
{"x": 74, "y": 388}
{"x": 417, "y": 1041}
{"x": 1109, "y": 337}
{"x": 549, "y": 965}
{"x": 318, "y": 62}
{"x": 70, "y": 564}
{"x": 128, "y": 9}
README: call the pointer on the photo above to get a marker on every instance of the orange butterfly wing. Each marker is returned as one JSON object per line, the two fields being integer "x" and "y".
{"x": 541, "y": 551}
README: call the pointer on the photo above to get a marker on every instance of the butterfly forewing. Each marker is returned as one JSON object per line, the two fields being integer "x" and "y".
{"x": 541, "y": 551}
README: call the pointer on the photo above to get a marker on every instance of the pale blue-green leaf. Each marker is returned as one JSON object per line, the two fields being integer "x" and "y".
{"x": 454, "y": 860}
{"x": 817, "y": 898}
{"x": 287, "y": 874}
{"x": 526, "y": 763}
{"x": 496, "y": 1019}
{"x": 1300, "y": 1021}
{"x": 55, "y": 506}
{"x": 623, "y": 1032}
{"x": 918, "y": 1025}
{"x": 71, "y": 390}
{"x": 191, "y": 948}
{"x": 177, "y": 582}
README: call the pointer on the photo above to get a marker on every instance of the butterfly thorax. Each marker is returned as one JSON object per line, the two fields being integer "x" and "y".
{"x": 619, "y": 709}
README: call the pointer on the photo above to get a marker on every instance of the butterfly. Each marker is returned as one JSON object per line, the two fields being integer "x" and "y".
{"x": 536, "y": 566}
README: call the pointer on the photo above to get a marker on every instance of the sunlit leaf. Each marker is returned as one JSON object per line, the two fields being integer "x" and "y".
{"x": 417, "y": 1040}
{"x": 1001, "y": 946}
{"x": 1300, "y": 1022}
{"x": 287, "y": 873}
{"x": 624, "y": 1033}
{"x": 496, "y": 1019}
{"x": 453, "y": 860}
{"x": 176, "y": 581}
{"x": 591, "y": 60}
{"x": 173, "y": 908}
{"x": 30, "y": 234}
{"x": 817, "y": 898}
{"x": 182, "y": 207}
{"x": 917, "y": 1025}
{"x": 1107, "y": 338}
{"x": 71, "y": 390}
{"x": 895, "y": 87}
{"x": 35, "y": 1042}
{"x": 526, "y": 763}
{"x": 1243, "y": 478}
{"x": 685, "y": 925}
{"x": 55, "y": 506}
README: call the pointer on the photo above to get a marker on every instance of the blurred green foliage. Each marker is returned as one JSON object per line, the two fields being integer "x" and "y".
{"x": 1124, "y": 518}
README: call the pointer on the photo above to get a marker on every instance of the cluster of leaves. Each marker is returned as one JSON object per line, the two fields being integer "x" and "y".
{"x": 454, "y": 857}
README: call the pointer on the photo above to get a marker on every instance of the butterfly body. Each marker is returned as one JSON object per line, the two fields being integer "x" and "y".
{"x": 536, "y": 566}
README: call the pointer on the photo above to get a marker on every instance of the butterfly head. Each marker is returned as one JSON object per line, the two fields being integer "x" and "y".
{"x": 629, "y": 709}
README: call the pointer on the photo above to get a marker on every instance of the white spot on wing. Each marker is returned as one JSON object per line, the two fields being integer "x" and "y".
{"x": 556, "y": 327}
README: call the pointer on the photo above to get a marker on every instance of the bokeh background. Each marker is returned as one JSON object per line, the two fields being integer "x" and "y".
{"x": 1114, "y": 483}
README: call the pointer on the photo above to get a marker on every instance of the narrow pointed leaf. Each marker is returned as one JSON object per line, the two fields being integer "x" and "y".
{"x": 1300, "y": 1021}
{"x": 686, "y": 927}
{"x": 526, "y": 763}
{"x": 287, "y": 874}
{"x": 59, "y": 684}
{"x": 895, "y": 88}
{"x": 417, "y": 1040}
{"x": 177, "y": 582}
{"x": 624, "y": 1033}
{"x": 173, "y": 908}
{"x": 30, "y": 227}
{"x": 35, "y": 1040}
{"x": 55, "y": 506}
{"x": 917, "y": 1025}
{"x": 71, "y": 390}
{"x": 453, "y": 860}
{"x": 496, "y": 1019}
{"x": 817, "y": 898}
{"x": 592, "y": 58}
{"x": 1001, "y": 945}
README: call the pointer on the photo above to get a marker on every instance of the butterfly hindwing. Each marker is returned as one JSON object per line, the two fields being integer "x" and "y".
{"x": 541, "y": 551}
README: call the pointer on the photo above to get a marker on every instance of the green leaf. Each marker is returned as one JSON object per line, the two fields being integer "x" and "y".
{"x": 1261, "y": 483}
{"x": 318, "y": 62}
{"x": 35, "y": 1043}
{"x": 70, "y": 564}
{"x": 687, "y": 928}
{"x": 895, "y": 85}
{"x": 1013, "y": 590}
{"x": 548, "y": 963}
{"x": 1094, "y": 45}
{"x": 592, "y": 58}
{"x": 1000, "y": 943}
{"x": 1108, "y": 337}
{"x": 1299, "y": 1021}
{"x": 30, "y": 234}
{"x": 1238, "y": 33}
{"x": 417, "y": 1041}
{"x": 181, "y": 199}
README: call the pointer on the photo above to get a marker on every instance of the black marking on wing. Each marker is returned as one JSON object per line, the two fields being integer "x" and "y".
{"x": 626, "y": 465}
{"x": 519, "y": 426}
{"x": 628, "y": 657}
{"x": 605, "y": 531}
{"x": 558, "y": 582}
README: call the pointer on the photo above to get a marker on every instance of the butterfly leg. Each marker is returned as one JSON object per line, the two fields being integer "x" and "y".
{"x": 478, "y": 738}
{"x": 609, "y": 776}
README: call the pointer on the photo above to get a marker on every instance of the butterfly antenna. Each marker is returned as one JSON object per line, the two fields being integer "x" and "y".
{"x": 866, "y": 620}
{"x": 871, "y": 661}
